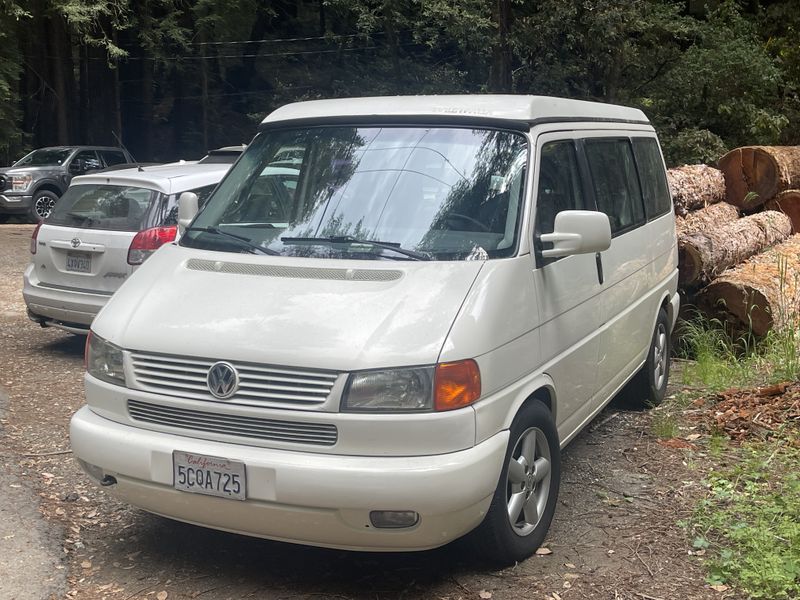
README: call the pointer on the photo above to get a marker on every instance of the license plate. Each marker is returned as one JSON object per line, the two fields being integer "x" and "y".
{"x": 210, "y": 475}
{"x": 79, "y": 262}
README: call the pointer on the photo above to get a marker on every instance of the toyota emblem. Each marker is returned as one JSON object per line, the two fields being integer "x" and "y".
{"x": 75, "y": 242}
{"x": 222, "y": 380}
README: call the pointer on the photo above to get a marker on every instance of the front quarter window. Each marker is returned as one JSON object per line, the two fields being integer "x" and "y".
{"x": 432, "y": 192}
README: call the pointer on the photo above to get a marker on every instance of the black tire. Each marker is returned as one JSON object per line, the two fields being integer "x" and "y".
{"x": 496, "y": 539}
{"x": 648, "y": 388}
{"x": 42, "y": 205}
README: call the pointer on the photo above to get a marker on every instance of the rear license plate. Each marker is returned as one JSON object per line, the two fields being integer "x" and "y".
{"x": 79, "y": 262}
{"x": 209, "y": 475}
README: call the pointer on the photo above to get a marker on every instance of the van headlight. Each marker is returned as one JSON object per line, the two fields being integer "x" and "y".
{"x": 409, "y": 389}
{"x": 104, "y": 360}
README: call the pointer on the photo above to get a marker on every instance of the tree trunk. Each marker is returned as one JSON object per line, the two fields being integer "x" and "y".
{"x": 695, "y": 186}
{"x": 59, "y": 49}
{"x": 500, "y": 79}
{"x": 759, "y": 294}
{"x": 703, "y": 255}
{"x": 788, "y": 203}
{"x": 755, "y": 174}
{"x": 706, "y": 219}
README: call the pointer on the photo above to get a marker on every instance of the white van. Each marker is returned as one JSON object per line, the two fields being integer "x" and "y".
{"x": 386, "y": 348}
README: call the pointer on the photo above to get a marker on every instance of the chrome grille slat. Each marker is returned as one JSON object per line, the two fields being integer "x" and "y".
{"x": 320, "y": 382}
{"x": 259, "y": 385}
{"x": 146, "y": 366}
{"x": 160, "y": 375}
{"x": 321, "y": 434}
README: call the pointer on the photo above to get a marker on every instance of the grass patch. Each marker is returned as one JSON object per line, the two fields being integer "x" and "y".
{"x": 750, "y": 522}
{"x": 718, "y": 361}
{"x": 664, "y": 425}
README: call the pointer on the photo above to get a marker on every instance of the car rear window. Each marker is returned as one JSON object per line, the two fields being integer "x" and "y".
{"x": 114, "y": 207}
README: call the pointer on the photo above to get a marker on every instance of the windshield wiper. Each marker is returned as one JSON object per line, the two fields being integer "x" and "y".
{"x": 239, "y": 238}
{"x": 347, "y": 239}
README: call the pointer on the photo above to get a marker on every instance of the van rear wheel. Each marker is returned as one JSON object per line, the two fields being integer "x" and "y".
{"x": 525, "y": 498}
{"x": 648, "y": 387}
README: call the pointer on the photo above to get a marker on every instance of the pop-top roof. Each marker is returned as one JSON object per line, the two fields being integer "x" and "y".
{"x": 519, "y": 109}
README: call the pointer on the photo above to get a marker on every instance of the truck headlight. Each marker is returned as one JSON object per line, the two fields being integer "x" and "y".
{"x": 407, "y": 389}
{"x": 20, "y": 183}
{"x": 104, "y": 360}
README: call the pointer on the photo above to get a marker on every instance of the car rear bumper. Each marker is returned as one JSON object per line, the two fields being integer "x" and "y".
{"x": 60, "y": 307}
{"x": 302, "y": 497}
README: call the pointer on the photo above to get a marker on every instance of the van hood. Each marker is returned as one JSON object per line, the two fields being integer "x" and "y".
{"x": 316, "y": 313}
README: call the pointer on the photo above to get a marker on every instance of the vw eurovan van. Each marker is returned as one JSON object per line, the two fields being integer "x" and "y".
{"x": 385, "y": 345}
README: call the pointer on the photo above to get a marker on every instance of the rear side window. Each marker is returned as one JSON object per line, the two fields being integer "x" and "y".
{"x": 111, "y": 157}
{"x": 652, "y": 176}
{"x": 559, "y": 183}
{"x": 113, "y": 207}
{"x": 616, "y": 183}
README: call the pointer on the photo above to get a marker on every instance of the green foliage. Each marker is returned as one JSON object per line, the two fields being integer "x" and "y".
{"x": 691, "y": 146}
{"x": 750, "y": 523}
{"x": 709, "y": 80}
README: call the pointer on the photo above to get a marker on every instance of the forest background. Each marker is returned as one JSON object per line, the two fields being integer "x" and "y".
{"x": 172, "y": 78}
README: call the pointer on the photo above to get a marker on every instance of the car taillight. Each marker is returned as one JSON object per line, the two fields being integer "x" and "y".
{"x": 33, "y": 238}
{"x": 148, "y": 241}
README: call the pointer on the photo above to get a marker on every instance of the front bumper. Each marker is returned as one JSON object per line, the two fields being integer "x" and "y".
{"x": 302, "y": 497}
{"x": 13, "y": 203}
{"x": 73, "y": 310}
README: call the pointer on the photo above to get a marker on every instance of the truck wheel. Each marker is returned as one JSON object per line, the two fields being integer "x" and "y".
{"x": 42, "y": 205}
{"x": 648, "y": 387}
{"x": 525, "y": 499}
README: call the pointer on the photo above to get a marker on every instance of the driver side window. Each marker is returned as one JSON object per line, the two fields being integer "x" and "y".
{"x": 84, "y": 161}
{"x": 559, "y": 184}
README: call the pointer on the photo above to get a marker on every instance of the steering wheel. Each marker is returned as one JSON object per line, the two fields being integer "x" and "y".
{"x": 467, "y": 219}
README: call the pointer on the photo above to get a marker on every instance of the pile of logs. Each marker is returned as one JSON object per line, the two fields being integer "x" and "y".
{"x": 739, "y": 236}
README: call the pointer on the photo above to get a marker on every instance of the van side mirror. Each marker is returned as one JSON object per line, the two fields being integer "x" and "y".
{"x": 187, "y": 209}
{"x": 578, "y": 232}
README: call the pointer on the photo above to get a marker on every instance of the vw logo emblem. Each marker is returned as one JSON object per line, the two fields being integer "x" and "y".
{"x": 222, "y": 380}
{"x": 75, "y": 242}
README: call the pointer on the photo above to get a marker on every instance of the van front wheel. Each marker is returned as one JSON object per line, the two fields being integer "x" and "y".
{"x": 525, "y": 499}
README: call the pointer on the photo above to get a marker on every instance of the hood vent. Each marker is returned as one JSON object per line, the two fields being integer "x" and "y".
{"x": 234, "y": 268}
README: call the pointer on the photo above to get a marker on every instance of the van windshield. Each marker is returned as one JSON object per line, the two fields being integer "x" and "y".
{"x": 113, "y": 207}
{"x": 402, "y": 193}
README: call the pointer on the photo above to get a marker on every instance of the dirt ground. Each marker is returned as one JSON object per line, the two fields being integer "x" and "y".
{"x": 615, "y": 533}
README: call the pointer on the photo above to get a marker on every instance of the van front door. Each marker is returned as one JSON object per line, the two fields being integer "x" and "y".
{"x": 567, "y": 288}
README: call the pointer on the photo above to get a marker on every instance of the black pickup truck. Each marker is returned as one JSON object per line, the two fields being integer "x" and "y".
{"x": 33, "y": 184}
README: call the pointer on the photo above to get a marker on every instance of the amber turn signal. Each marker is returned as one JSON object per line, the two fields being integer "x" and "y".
{"x": 456, "y": 384}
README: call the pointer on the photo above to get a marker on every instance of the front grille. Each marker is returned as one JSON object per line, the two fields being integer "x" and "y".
{"x": 259, "y": 385}
{"x": 319, "y": 434}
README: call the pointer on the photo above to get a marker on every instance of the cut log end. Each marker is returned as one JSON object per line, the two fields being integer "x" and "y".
{"x": 741, "y": 307}
{"x": 755, "y": 174}
{"x": 788, "y": 203}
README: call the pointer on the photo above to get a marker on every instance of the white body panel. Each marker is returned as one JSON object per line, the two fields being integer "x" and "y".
{"x": 552, "y": 330}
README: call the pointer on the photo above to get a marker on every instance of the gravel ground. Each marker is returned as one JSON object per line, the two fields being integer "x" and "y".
{"x": 615, "y": 534}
